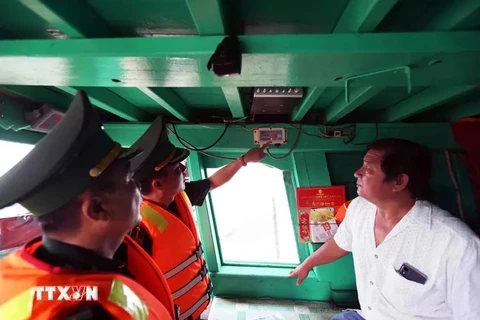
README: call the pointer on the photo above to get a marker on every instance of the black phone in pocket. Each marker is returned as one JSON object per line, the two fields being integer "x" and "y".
{"x": 411, "y": 273}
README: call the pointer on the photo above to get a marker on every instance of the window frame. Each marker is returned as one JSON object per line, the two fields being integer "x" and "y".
{"x": 287, "y": 174}
{"x": 257, "y": 279}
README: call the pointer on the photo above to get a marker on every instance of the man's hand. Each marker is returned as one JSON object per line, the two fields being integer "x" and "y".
{"x": 256, "y": 154}
{"x": 300, "y": 272}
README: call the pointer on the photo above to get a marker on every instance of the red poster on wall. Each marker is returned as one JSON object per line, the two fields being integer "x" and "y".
{"x": 316, "y": 208}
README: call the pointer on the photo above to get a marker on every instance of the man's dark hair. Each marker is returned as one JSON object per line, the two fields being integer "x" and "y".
{"x": 406, "y": 157}
{"x": 67, "y": 217}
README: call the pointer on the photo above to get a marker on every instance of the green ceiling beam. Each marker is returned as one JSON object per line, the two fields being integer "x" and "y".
{"x": 77, "y": 19}
{"x": 168, "y": 100}
{"x": 237, "y": 139}
{"x": 109, "y": 101}
{"x": 312, "y": 95}
{"x": 210, "y": 23}
{"x": 423, "y": 101}
{"x": 208, "y": 16}
{"x": 358, "y": 17}
{"x": 363, "y": 15}
{"x": 457, "y": 15}
{"x": 279, "y": 60}
{"x": 74, "y": 18}
{"x": 234, "y": 100}
{"x": 358, "y": 96}
{"x": 466, "y": 110}
{"x": 292, "y": 44}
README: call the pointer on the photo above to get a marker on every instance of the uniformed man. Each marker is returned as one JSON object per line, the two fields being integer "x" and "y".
{"x": 167, "y": 230}
{"x": 79, "y": 185}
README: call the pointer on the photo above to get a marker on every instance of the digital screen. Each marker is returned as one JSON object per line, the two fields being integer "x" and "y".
{"x": 271, "y": 135}
{"x": 50, "y": 122}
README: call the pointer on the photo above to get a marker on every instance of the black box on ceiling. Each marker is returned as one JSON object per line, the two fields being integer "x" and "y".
{"x": 275, "y": 100}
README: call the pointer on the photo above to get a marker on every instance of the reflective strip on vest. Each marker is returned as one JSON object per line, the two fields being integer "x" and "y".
{"x": 198, "y": 304}
{"x": 156, "y": 219}
{"x": 124, "y": 297}
{"x": 201, "y": 275}
{"x": 19, "y": 307}
{"x": 182, "y": 266}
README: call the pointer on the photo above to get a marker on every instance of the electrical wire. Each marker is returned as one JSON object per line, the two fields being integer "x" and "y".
{"x": 205, "y": 148}
{"x": 294, "y": 145}
{"x": 350, "y": 140}
{"x": 184, "y": 143}
{"x": 321, "y": 135}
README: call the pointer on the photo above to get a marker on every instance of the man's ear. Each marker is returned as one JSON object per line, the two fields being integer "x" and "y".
{"x": 93, "y": 208}
{"x": 401, "y": 182}
{"x": 156, "y": 185}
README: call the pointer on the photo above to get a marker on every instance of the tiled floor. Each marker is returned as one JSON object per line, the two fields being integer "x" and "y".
{"x": 238, "y": 309}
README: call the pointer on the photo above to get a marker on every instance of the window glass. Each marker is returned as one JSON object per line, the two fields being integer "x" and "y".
{"x": 15, "y": 227}
{"x": 12, "y": 153}
{"x": 253, "y": 218}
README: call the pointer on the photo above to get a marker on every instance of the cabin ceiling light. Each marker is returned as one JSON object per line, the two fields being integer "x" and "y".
{"x": 227, "y": 58}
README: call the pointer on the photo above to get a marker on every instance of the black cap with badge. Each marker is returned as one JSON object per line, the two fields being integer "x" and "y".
{"x": 157, "y": 151}
{"x": 62, "y": 164}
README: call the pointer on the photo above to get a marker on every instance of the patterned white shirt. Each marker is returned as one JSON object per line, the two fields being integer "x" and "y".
{"x": 429, "y": 239}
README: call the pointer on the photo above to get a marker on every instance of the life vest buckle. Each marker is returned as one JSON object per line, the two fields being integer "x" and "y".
{"x": 210, "y": 288}
{"x": 199, "y": 251}
{"x": 204, "y": 271}
{"x": 138, "y": 234}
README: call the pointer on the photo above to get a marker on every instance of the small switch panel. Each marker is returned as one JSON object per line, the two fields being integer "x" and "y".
{"x": 274, "y": 135}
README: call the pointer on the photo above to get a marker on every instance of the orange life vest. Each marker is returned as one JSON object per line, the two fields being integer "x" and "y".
{"x": 340, "y": 215}
{"x": 177, "y": 250}
{"x": 22, "y": 275}
{"x": 149, "y": 275}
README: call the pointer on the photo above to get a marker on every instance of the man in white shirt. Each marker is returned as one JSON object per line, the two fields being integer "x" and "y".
{"x": 412, "y": 259}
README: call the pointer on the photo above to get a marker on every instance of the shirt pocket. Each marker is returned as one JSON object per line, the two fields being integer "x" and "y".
{"x": 402, "y": 294}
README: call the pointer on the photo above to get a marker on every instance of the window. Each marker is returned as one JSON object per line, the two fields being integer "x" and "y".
{"x": 12, "y": 153}
{"x": 252, "y": 217}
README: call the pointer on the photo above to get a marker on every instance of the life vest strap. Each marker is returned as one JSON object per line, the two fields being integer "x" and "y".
{"x": 198, "y": 304}
{"x": 198, "y": 278}
{"x": 177, "y": 312}
{"x": 182, "y": 266}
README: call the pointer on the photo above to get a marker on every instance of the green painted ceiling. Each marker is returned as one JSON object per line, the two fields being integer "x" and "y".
{"x": 138, "y": 59}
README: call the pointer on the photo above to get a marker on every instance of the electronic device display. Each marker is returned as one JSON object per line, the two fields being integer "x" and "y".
{"x": 274, "y": 135}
